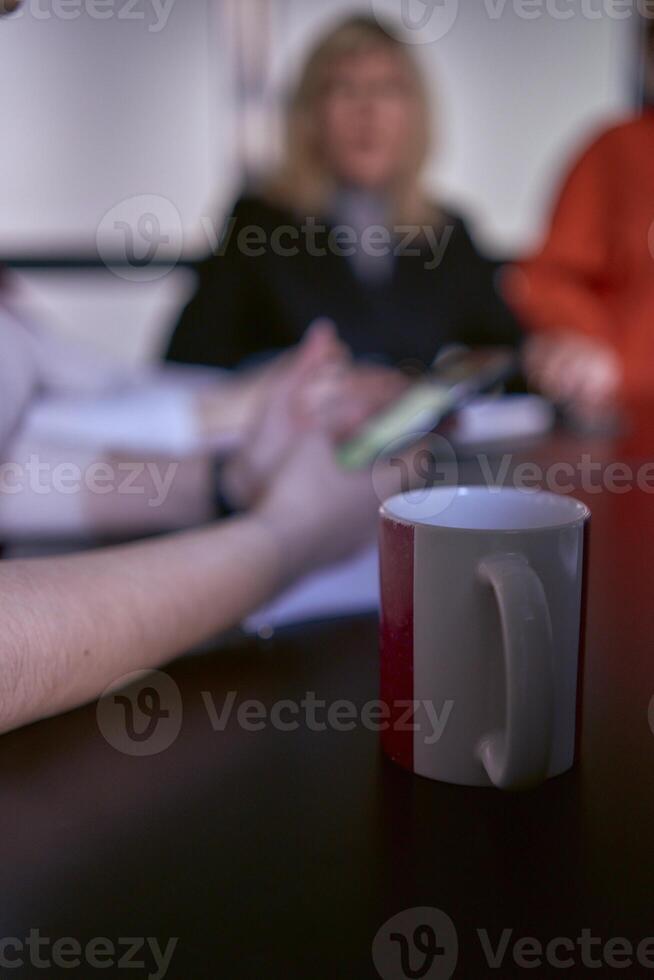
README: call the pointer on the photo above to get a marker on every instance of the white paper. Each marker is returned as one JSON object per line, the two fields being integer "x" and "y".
{"x": 346, "y": 589}
{"x": 157, "y": 418}
{"x": 508, "y": 419}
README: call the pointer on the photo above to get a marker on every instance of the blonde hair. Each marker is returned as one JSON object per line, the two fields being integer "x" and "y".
{"x": 304, "y": 182}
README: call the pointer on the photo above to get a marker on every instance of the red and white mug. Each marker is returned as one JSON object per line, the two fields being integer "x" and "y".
{"x": 482, "y": 594}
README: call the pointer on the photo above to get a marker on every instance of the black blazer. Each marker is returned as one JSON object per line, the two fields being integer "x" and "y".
{"x": 248, "y": 305}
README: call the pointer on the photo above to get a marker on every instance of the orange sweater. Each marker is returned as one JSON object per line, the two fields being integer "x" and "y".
{"x": 595, "y": 273}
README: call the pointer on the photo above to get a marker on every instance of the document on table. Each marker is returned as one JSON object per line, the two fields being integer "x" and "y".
{"x": 158, "y": 418}
{"x": 346, "y": 589}
{"x": 509, "y": 419}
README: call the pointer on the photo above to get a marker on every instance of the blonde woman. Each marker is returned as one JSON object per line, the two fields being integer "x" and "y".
{"x": 345, "y": 231}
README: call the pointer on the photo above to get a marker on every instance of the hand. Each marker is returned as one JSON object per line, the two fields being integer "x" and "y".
{"x": 318, "y": 512}
{"x": 283, "y": 416}
{"x": 232, "y": 407}
{"x": 316, "y": 388}
{"x": 344, "y": 399}
{"x": 236, "y": 406}
{"x": 576, "y": 371}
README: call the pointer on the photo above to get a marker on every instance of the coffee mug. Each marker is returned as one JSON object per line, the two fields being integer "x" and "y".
{"x": 482, "y": 594}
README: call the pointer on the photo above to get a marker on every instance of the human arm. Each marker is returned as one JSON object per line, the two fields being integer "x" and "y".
{"x": 71, "y": 626}
{"x": 572, "y": 355}
{"x": 55, "y": 494}
{"x": 560, "y": 288}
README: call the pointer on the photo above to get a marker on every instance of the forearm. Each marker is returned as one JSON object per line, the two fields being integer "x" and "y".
{"x": 46, "y": 492}
{"x": 70, "y": 627}
{"x": 152, "y": 495}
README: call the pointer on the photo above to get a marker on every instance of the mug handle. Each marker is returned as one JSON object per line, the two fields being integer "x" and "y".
{"x": 519, "y": 757}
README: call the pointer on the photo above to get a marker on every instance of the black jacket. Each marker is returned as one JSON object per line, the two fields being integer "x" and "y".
{"x": 248, "y": 305}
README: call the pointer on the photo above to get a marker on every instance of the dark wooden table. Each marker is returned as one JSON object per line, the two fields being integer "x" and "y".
{"x": 281, "y": 854}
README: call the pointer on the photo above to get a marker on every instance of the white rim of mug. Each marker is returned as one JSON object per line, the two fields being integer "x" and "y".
{"x": 581, "y": 518}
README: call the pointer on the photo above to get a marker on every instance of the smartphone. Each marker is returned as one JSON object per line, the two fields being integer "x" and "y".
{"x": 454, "y": 379}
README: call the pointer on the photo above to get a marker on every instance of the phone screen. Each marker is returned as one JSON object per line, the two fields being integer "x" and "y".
{"x": 452, "y": 382}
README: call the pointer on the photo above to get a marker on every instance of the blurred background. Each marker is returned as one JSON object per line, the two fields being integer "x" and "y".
{"x": 163, "y": 108}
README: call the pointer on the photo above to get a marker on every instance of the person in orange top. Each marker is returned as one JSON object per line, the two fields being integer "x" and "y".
{"x": 589, "y": 293}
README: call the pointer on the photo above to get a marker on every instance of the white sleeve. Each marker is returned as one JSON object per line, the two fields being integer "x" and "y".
{"x": 18, "y": 375}
{"x": 57, "y": 393}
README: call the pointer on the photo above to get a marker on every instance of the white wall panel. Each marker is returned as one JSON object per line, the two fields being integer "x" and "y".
{"x": 94, "y": 112}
